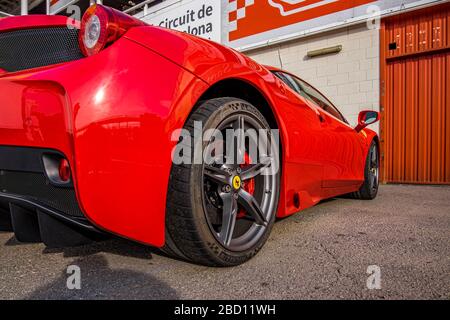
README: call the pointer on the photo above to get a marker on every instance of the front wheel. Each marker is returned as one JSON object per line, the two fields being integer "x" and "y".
{"x": 369, "y": 189}
{"x": 220, "y": 212}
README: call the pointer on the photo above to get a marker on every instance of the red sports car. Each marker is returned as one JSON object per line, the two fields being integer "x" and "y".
{"x": 92, "y": 115}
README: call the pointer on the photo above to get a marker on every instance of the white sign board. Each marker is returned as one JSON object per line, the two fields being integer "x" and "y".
{"x": 197, "y": 17}
{"x": 248, "y": 24}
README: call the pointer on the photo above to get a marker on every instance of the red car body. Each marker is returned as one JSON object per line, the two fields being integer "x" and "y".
{"x": 112, "y": 116}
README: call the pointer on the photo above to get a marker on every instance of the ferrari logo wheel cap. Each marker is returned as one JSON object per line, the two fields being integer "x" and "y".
{"x": 237, "y": 182}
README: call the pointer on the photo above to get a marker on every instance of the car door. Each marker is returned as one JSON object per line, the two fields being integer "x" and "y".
{"x": 302, "y": 148}
{"x": 342, "y": 151}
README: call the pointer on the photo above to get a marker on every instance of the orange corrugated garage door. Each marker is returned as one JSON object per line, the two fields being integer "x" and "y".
{"x": 415, "y": 92}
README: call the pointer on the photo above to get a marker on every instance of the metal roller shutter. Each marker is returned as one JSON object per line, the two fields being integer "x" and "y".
{"x": 415, "y": 87}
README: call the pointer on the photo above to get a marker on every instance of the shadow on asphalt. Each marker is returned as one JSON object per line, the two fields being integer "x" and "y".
{"x": 99, "y": 281}
{"x": 299, "y": 214}
{"x": 116, "y": 246}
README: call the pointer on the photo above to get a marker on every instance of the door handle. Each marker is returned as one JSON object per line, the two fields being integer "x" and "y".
{"x": 319, "y": 114}
{"x": 321, "y": 117}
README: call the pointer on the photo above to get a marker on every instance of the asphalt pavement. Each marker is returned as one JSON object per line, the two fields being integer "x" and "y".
{"x": 322, "y": 253}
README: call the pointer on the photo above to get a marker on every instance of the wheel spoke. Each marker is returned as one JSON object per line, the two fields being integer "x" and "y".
{"x": 239, "y": 124}
{"x": 374, "y": 168}
{"x": 239, "y": 127}
{"x": 255, "y": 169}
{"x": 373, "y": 158}
{"x": 228, "y": 218}
{"x": 216, "y": 174}
{"x": 252, "y": 207}
{"x": 374, "y": 178}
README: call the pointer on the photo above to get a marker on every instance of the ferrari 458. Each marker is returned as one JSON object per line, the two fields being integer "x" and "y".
{"x": 93, "y": 113}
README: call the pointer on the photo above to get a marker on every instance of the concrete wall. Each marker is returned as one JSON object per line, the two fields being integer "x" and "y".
{"x": 350, "y": 79}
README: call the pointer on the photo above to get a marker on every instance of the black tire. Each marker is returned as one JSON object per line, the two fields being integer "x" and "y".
{"x": 189, "y": 233}
{"x": 369, "y": 189}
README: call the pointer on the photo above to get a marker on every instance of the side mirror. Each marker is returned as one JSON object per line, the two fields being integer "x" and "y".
{"x": 366, "y": 118}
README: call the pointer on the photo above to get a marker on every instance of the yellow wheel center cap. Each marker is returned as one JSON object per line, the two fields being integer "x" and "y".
{"x": 237, "y": 182}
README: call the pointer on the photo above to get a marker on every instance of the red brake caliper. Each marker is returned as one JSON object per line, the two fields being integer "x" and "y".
{"x": 249, "y": 184}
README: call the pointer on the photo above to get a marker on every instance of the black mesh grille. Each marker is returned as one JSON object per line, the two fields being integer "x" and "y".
{"x": 32, "y": 48}
{"x": 36, "y": 187}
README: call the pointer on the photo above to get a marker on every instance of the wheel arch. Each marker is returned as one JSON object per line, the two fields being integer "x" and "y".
{"x": 242, "y": 89}
{"x": 375, "y": 138}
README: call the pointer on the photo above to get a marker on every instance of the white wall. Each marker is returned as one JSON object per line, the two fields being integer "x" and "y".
{"x": 350, "y": 79}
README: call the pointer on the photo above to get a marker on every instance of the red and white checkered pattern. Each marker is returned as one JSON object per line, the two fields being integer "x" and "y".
{"x": 237, "y": 10}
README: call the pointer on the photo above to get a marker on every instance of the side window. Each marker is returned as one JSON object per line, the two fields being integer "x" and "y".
{"x": 320, "y": 100}
{"x": 288, "y": 80}
{"x": 308, "y": 92}
{"x": 292, "y": 83}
